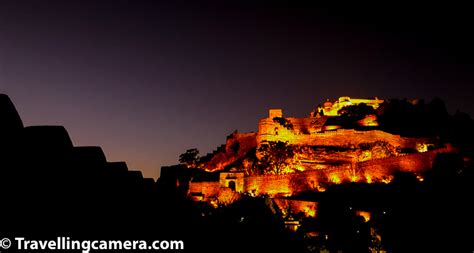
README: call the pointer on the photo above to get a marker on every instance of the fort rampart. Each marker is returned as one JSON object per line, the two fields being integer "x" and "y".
{"x": 372, "y": 170}
{"x": 273, "y": 131}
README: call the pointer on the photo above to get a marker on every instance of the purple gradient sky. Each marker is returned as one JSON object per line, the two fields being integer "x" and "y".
{"x": 146, "y": 80}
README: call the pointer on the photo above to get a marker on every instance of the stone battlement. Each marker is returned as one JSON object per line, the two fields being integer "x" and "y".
{"x": 377, "y": 170}
{"x": 273, "y": 131}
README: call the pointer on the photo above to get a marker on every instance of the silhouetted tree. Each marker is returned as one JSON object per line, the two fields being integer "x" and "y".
{"x": 190, "y": 158}
{"x": 284, "y": 122}
{"x": 349, "y": 115}
{"x": 414, "y": 118}
{"x": 275, "y": 156}
{"x": 356, "y": 112}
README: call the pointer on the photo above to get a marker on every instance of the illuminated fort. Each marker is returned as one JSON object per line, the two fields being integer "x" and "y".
{"x": 290, "y": 155}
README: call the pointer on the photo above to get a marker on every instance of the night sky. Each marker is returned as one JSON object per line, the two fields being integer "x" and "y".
{"x": 146, "y": 80}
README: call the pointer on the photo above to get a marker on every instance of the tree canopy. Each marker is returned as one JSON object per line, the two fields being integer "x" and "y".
{"x": 275, "y": 156}
{"x": 190, "y": 158}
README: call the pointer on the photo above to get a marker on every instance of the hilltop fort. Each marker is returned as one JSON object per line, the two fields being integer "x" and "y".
{"x": 339, "y": 142}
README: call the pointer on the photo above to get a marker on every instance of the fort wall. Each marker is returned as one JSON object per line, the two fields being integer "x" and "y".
{"x": 373, "y": 170}
{"x": 208, "y": 189}
{"x": 233, "y": 180}
{"x": 295, "y": 182}
{"x": 414, "y": 163}
{"x": 270, "y": 184}
{"x": 273, "y": 131}
{"x": 237, "y": 145}
{"x": 377, "y": 170}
